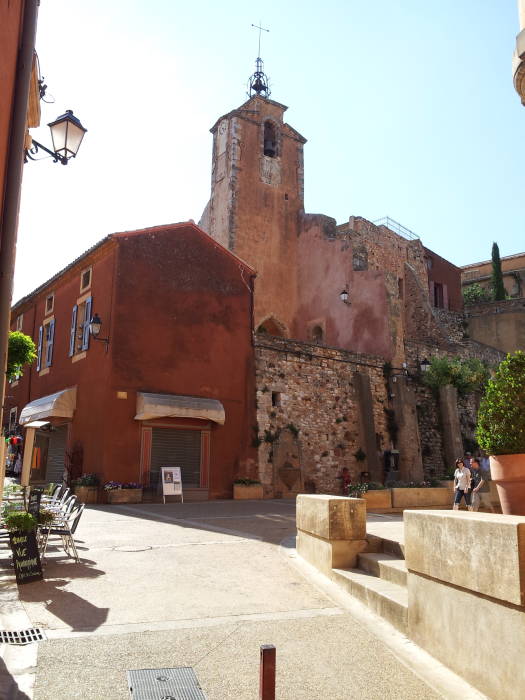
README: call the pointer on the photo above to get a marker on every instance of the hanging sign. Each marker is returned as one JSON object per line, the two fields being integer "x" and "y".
{"x": 171, "y": 482}
{"x": 26, "y": 558}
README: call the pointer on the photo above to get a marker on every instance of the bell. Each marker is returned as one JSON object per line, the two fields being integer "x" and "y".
{"x": 269, "y": 148}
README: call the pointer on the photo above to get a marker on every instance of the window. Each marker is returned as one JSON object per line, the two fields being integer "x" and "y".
{"x": 85, "y": 280}
{"x": 276, "y": 398}
{"x": 13, "y": 418}
{"x": 270, "y": 140}
{"x": 46, "y": 337}
{"x": 50, "y": 303}
{"x": 19, "y": 322}
{"x": 438, "y": 295}
{"x": 317, "y": 335}
{"x": 79, "y": 332}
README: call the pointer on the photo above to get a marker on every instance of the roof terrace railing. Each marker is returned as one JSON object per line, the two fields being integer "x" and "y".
{"x": 396, "y": 227}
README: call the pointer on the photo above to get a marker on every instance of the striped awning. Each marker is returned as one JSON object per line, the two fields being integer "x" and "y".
{"x": 59, "y": 405}
{"x": 150, "y": 406}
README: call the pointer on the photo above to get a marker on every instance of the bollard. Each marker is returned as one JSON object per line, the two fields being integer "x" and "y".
{"x": 267, "y": 673}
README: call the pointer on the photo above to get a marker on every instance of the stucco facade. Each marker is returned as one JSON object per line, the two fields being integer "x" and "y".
{"x": 176, "y": 308}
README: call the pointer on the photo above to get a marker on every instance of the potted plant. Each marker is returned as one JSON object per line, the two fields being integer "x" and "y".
{"x": 501, "y": 431}
{"x": 118, "y": 492}
{"x": 244, "y": 488}
{"x": 86, "y": 488}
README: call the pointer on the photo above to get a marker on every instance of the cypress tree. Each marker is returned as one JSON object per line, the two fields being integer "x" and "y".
{"x": 498, "y": 289}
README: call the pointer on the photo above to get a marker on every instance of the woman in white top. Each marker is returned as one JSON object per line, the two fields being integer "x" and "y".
{"x": 462, "y": 478}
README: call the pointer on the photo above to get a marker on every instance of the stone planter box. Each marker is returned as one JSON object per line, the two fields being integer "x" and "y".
{"x": 242, "y": 492}
{"x": 124, "y": 496}
{"x": 380, "y": 499}
{"x": 421, "y": 498}
{"x": 86, "y": 494}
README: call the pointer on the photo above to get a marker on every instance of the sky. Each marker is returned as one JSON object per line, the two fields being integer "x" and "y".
{"x": 408, "y": 107}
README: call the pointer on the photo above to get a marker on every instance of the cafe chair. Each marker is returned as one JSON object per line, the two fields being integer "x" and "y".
{"x": 65, "y": 528}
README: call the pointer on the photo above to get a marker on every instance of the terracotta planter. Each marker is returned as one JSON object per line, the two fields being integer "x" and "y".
{"x": 422, "y": 498}
{"x": 380, "y": 499}
{"x": 242, "y": 492}
{"x": 86, "y": 494}
{"x": 508, "y": 471}
{"x": 124, "y": 496}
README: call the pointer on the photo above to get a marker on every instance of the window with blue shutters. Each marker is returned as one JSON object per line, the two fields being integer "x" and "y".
{"x": 73, "y": 331}
{"x": 87, "y": 319}
{"x": 39, "y": 351}
{"x": 50, "y": 338}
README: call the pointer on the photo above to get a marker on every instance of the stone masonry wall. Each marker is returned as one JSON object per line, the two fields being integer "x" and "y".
{"x": 309, "y": 389}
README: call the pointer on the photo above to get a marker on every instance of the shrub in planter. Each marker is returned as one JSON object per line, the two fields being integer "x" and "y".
{"x": 118, "y": 492}
{"x": 20, "y": 521}
{"x": 501, "y": 431}
{"x": 244, "y": 488}
{"x": 86, "y": 488}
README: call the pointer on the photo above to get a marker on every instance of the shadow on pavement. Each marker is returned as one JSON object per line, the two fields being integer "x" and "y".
{"x": 9, "y": 689}
{"x": 76, "y": 612}
{"x": 270, "y": 520}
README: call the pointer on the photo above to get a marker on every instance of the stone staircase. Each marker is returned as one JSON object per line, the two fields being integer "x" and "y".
{"x": 380, "y": 581}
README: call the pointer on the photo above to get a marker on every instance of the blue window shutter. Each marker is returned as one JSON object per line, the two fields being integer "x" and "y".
{"x": 50, "y": 339}
{"x": 73, "y": 332}
{"x": 87, "y": 319}
{"x": 39, "y": 353}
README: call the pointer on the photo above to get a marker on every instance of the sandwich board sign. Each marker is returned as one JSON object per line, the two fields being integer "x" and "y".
{"x": 171, "y": 482}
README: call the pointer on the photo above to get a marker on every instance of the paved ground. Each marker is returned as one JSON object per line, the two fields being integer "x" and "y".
{"x": 204, "y": 585}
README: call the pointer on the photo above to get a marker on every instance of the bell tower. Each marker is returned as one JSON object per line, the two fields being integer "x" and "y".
{"x": 257, "y": 203}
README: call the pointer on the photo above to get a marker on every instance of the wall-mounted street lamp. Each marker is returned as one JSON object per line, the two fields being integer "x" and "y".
{"x": 66, "y": 133}
{"x": 424, "y": 365}
{"x": 344, "y": 296}
{"x": 94, "y": 329}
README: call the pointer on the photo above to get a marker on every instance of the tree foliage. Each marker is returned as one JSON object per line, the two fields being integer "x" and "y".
{"x": 466, "y": 375}
{"x": 475, "y": 294}
{"x": 498, "y": 289}
{"x": 21, "y": 351}
{"x": 501, "y": 416}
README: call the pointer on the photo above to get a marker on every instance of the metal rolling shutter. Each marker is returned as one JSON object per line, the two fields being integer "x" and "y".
{"x": 176, "y": 448}
{"x": 56, "y": 454}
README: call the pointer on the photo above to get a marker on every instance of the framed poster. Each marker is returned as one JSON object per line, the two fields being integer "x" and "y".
{"x": 171, "y": 482}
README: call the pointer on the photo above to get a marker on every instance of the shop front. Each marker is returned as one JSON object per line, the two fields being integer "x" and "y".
{"x": 176, "y": 432}
{"x": 47, "y": 423}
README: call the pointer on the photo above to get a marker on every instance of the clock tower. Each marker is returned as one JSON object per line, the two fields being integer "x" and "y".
{"x": 256, "y": 204}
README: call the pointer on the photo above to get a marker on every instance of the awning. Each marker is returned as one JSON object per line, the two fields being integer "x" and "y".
{"x": 151, "y": 406}
{"x": 59, "y": 405}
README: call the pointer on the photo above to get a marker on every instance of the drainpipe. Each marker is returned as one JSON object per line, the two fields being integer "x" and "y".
{"x": 13, "y": 181}
{"x": 12, "y": 188}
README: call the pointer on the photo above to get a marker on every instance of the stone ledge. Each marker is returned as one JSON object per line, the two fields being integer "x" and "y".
{"x": 481, "y": 552}
{"x": 332, "y": 517}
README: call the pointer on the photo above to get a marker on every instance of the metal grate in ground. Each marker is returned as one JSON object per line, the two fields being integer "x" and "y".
{"x": 33, "y": 634}
{"x": 164, "y": 684}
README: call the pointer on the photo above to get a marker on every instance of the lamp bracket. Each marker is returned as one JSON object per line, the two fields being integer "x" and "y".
{"x": 36, "y": 146}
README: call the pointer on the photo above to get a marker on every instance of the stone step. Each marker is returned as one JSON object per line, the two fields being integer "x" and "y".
{"x": 381, "y": 544}
{"x": 385, "y": 566}
{"x": 386, "y": 599}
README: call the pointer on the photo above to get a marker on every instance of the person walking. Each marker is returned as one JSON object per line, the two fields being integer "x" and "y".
{"x": 462, "y": 479}
{"x": 480, "y": 486}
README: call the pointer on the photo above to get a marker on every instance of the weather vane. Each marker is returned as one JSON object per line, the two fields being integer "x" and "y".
{"x": 258, "y": 82}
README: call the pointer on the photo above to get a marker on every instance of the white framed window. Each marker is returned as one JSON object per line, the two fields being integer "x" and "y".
{"x": 85, "y": 280}
{"x": 19, "y": 322}
{"x": 79, "y": 331}
{"x": 13, "y": 418}
{"x": 50, "y": 304}
{"x": 46, "y": 339}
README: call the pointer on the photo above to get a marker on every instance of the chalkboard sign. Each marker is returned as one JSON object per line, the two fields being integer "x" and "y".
{"x": 26, "y": 558}
{"x": 171, "y": 482}
{"x": 34, "y": 503}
